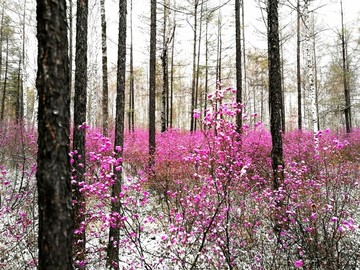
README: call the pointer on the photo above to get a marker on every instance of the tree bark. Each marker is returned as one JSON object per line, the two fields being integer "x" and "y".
{"x": 152, "y": 85}
{"x": 165, "y": 71}
{"x": 310, "y": 70}
{"x": 298, "y": 65}
{"x": 114, "y": 234}
{"x": 238, "y": 64}
{"x": 5, "y": 80}
{"x": 244, "y": 80}
{"x": 1, "y": 60}
{"x": 71, "y": 57}
{"x": 275, "y": 93}
{"x": 131, "y": 114}
{"x": 171, "y": 105}
{"x": 198, "y": 62}
{"x": 206, "y": 62}
{"x": 79, "y": 130}
{"x": 53, "y": 166}
{"x": 105, "y": 88}
{"x": 347, "y": 109}
{"x": 193, "y": 84}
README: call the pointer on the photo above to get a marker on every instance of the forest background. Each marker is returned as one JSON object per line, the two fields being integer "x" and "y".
{"x": 229, "y": 194}
{"x": 218, "y": 42}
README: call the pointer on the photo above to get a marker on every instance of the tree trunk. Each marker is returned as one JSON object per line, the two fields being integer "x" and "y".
{"x": 79, "y": 129}
{"x": 275, "y": 92}
{"x": 244, "y": 80}
{"x": 23, "y": 96}
{"x": 18, "y": 96}
{"x": 172, "y": 73}
{"x": 193, "y": 84}
{"x": 114, "y": 234}
{"x": 165, "y": 71}
{"x": 53, "y": 166}
{"x": 298, "y": 65}
{"x": 310, "y": 72}
{"x": 1, "y": 46}
{"x": 316, "y": 79}
{"x": 345, "y": 69}
{"x": 238, "y": 64}
{"x": 282, "y": 90}
{"x": 206, "y": 61}
{"x": 131, "y": 114}
{"x": 71, "y": 57}
{"x": 198, "y": 62}
{"x": 5, "y": 80}
{"x": 152, "y": 85}
{"x": 105, "y": 88}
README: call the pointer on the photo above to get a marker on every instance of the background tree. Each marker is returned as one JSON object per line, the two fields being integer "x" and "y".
{"x": 239, "y": 83}
{"x": 114, "y": 233}
{"x": 310, "y": 69}
{"x": 105, "y": 87}
{"x": 79, "y": 129}
{"x": 165, "y": 69}
{"x": 298, "y": 64}
{"x": 152, "y": 83}
{"x": 345, "y": 68}
{"x": 131, "y": 112}
{"x": 275, "y": 92}
{"x": 53, "y": 166}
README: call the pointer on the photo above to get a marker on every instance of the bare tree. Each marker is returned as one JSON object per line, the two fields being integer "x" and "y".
{"x": 193, "y": 84}
{"x": 298, "y": 64}
{"x": 131, "y": 114}
{"x": 152, "y": 84}
{"x": 345, "y": 69}
{"x": 165, "y": 70}
{"x": 114, "y": 234}
{"x": 105, "y": 87}
{"x": 5, "y": 79}
{"x": 275, "y": 92}
{"x": 238, "y": 64}
{"x": 53, "y": 165}
{"x": 79, "y": 129}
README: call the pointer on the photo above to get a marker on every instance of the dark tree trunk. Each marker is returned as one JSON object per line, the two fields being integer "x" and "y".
{"x": 79, "y": 129}
{"x": 71, "y": 56}
{"x": 18, "y": 109}
{"x": 53, "y": 166}
{"x": 152, "y": 85}
{"x": 1, "y": 47}
{"x": 238, "y": 64}
{"x": 275, "y": 92}
{"x": 171, "y": 107}
{"x": 105, "y": 89}
{"x": 298, "y": 65}
{"x": 165, "y": 71}
{"x": 345, "y": 70}
{"x": 193, "y": 84}
{"x": 114, "y": 234}
{"x": 244, "y": 80}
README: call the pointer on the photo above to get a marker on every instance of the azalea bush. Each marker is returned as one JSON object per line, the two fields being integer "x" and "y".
{"x": 18, "y": 199}
{"x": 208, "y": 202}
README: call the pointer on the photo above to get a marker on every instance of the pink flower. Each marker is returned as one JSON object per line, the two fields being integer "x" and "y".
{"x": 196, "y": 114}
{"x": 299, "y": 263}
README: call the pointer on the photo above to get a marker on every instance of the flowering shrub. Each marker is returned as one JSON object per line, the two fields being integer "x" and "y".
{"x": 18, "y": 199}
{"x": 209, "y": 201}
